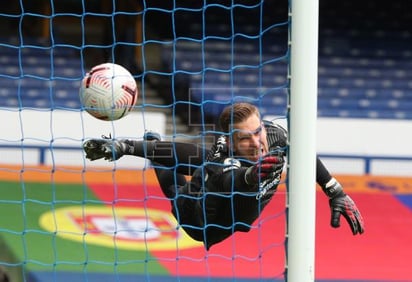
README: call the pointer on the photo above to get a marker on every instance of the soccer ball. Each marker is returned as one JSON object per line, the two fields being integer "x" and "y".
{"x": 108, "y": 92}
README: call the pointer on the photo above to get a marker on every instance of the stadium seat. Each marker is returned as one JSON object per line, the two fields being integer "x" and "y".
{"x": 362, "y": 81}
{"x": 35, "y": 77}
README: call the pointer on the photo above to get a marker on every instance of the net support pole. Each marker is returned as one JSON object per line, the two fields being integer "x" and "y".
{"x": 301, "y": 206}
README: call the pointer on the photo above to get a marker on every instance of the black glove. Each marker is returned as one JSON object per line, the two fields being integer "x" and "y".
{"x": 106, "y": 148}
{"x": 268, "y": 166}
{"x": 342, "y": 204}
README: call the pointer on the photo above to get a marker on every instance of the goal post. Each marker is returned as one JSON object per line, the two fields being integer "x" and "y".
{"x": 301, "y": 202}
{"x": 229, "y": 51}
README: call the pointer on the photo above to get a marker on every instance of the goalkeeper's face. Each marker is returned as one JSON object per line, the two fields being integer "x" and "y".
{"x": 249, "y": 139}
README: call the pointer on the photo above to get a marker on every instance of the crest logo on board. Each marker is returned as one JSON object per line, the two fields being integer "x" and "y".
{"x": 118, "y": 227}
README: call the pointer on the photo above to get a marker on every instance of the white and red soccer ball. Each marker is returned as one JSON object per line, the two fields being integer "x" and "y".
{"x": 108, "y": 92}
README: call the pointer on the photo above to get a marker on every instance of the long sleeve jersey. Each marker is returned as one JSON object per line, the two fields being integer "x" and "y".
{"x": 217, "y": 201}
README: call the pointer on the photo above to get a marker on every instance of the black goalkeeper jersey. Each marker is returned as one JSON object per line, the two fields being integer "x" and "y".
{"x": 217, "y": 201}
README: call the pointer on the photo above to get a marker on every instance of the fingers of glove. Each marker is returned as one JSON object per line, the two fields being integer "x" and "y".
{"x": 354, "y": 223}
{"x": 335, "y": 218}
{"x": 269, "y": 159}
{"x": 93, "y": 157}
{"x": 361, "y": 226}
{"x": 256, "y": 175}
{"x": 270, "y": 164}
{"x": 353, "y": 216}
{"x": 93, "y": 149}
{"x": 346, "y": 207}
{"x": 266, "y": 168}
{"x": 361, "y": 223}
{"x": 93, "y": 144}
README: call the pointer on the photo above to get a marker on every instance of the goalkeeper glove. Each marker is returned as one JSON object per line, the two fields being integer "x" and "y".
{"x": 342, "y": 204}
{"x": 268, "y": 166}
{"x": 106, "y": 148}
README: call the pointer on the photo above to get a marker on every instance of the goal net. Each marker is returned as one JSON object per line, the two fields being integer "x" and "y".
{"x": 65, "y": 217}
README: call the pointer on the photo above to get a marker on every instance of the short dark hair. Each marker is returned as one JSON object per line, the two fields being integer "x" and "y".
{"x": 236, "y": 113}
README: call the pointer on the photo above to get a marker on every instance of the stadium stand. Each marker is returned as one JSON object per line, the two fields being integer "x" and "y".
{"x": 37, "y": 76}
{"x": 362, "y": 74}
{"x": 363, "y": 64}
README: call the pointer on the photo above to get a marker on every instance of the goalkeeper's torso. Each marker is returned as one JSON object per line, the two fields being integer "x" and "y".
{"x": 229, "y": 203}
{"x": 224, "y": 173}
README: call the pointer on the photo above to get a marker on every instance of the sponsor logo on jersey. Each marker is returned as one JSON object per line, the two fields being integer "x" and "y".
{"x": 230, "y": 164}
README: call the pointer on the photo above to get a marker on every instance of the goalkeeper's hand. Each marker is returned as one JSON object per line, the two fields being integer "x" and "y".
{"x": 268, "y": 166}
{"x": 342, "y": 204}
{"x": 105, "y": 148}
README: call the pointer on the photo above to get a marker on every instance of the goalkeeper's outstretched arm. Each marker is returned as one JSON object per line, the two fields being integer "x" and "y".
{"x": 182, "y": 156}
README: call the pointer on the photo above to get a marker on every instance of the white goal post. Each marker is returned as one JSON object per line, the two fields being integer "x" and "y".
{"x": 301, "y": 205}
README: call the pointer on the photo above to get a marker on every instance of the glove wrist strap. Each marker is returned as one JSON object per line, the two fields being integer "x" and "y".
{"x": 127, "y": 147}
{"x": 332, "y": 188}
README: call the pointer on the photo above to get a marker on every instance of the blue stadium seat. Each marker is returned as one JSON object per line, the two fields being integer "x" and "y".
{"x": 36, "y": 76}
{"x": 363, "y": 72}
{"x": 366, "y": 88}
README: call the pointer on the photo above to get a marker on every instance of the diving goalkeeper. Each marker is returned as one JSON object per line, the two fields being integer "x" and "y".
{"x": 232, "y": 182}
